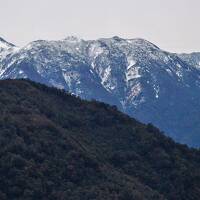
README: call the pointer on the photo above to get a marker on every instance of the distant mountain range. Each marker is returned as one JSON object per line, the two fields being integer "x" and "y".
{"x": 144, "y": 81}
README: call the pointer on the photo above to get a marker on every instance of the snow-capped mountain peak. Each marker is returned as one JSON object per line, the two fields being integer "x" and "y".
{"x": 4, "y": 44}
{"x": 73, "y": 39}
{"x": 142, "y": 43}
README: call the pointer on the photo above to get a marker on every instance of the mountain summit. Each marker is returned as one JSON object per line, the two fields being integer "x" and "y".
{"x": 143, "y": 80}
{"x": 4, "y": 44}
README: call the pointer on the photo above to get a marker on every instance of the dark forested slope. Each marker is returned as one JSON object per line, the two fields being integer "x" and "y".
{"x": 56, "y": 146}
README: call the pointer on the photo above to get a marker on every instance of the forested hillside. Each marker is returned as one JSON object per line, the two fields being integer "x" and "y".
{"x": 56, "y": 146}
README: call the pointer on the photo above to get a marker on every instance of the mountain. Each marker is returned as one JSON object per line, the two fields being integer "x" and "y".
{"x": 57, "y": 146}
{"x": 144, "y": 81}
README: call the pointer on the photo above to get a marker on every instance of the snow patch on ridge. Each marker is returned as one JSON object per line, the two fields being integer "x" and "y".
{"x": 157, "y": 90}
{"x": 95, "y": 50}
{"x": 106, "y": 74}
{"x": 133, "y": 73}
{"x": 4, "y": 45}
{"x": 131, "y": 63}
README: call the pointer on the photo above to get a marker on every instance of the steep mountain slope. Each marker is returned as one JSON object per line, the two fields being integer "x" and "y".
{"x": 193, "y": 59}
{"x": 142, "y": 80}
{"x": 57, "y": 146}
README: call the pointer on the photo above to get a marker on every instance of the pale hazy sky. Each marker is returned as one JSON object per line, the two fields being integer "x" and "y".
{"x": 173, "y": 25}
